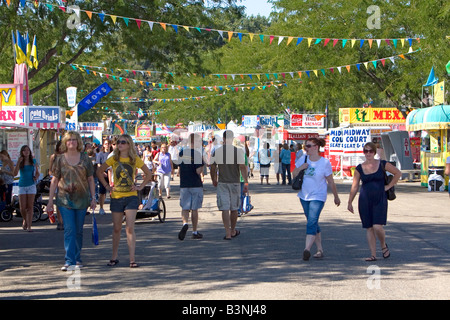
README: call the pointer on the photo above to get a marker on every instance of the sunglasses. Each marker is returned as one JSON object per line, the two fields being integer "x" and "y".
{"x": 368, "y": 151}
{"x": 309, "y": 145}
{"x": 122, "y": 142}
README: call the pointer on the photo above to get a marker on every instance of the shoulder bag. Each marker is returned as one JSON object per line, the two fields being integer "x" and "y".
{"x": 387, "y": 179}
{"x": 298, "y": 179}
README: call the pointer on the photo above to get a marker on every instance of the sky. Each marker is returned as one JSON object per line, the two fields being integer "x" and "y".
{"x": 255, "y": 7}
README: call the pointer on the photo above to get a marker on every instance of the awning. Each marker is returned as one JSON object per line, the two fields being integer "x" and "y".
{"x": 437, "y": 117}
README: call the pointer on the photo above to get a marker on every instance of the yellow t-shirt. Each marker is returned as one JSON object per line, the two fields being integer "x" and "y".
{"x": 124, "y": 176}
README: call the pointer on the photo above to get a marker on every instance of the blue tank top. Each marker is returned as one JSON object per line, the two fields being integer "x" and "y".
{"x": 164, "y": 166}
{"x": 26, "y": 175}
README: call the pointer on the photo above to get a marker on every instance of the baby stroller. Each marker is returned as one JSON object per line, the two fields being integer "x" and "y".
{"x": 152, "y": 205}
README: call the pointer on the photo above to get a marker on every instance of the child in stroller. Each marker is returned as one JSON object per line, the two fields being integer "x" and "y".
{"x": 151, "y": 205}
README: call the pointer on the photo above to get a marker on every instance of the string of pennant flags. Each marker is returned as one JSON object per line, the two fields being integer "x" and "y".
{"x": 225, "y": 34}
{"x": 269, "y": 76}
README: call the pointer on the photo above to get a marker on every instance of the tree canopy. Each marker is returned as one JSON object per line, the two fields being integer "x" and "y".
{"x": 202, "y": 72}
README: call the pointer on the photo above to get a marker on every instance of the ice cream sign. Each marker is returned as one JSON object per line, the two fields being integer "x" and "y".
{"x": 43, "y": 115}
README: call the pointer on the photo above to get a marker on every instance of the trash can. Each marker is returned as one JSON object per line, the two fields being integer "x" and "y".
{"x": 436, "y": 179}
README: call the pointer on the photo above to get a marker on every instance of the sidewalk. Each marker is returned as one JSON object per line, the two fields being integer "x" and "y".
{"x": 263, "y": 263}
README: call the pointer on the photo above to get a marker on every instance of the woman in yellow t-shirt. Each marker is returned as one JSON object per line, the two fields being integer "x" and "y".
{"x": 124, "y": 197}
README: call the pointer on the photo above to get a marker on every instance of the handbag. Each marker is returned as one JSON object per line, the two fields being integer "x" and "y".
{"x": 390, "y": 194}
{"x": 94, "y": 230}
{"x": 298, "y": 179}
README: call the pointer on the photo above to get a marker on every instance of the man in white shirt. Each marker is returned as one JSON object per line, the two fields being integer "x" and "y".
{"x": 174, "y": 151}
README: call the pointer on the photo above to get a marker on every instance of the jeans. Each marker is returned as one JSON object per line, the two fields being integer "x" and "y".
{"x": 286, "y": 170}
{"x": 312, "y": 211}
{"x": 73, "y": 233}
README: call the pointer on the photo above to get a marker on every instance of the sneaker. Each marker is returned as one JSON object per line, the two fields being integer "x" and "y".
{"x": 65, "y": 267}
{"x": 182, "y": 232}
{"x": 197, "y": 235}
{"x": 101, "y": 211}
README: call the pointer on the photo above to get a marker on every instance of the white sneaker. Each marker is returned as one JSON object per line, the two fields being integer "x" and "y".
{"x": 101, "y": 211}
{"x": 65, "y": 267}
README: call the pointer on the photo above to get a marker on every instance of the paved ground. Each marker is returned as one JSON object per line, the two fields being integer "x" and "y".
{"x": 263, "y": 263}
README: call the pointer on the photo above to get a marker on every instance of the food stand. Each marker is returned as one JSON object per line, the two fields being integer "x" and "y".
{"x": 432, "y": 125}
{"x": 372, "y": 124}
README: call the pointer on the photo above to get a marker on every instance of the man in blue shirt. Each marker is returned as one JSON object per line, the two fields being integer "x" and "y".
{"x": 285, "y": 156}
{"x": 190, "y": 163}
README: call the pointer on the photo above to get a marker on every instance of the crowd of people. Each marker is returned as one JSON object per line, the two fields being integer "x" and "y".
{"x": 83, "y": 176}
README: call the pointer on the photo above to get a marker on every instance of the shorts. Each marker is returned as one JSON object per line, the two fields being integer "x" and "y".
{"x": 122, "y": 204}
{"x": 28, "y": 190}
{"x": 228, "y": 196}
{"x": 264, "y": 170}
{"x": 191, "y": 198}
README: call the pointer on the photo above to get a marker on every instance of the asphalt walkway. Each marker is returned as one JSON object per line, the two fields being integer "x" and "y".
{"x": 263, "y": 263}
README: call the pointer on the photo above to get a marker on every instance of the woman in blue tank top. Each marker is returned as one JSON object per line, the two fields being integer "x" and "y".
{"x": 29, "y": 173}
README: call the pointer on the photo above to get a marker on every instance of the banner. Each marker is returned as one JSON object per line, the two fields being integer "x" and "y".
{"x": 92, "y": 98}
{"x": 348, "y": 140}
{"x": 439, "y": 93}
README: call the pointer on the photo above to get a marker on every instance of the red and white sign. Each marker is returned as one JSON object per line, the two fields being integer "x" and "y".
{"x": 307, "y": 120}
{"x": 298, "y": 136}
{"x": 12, "y": 116}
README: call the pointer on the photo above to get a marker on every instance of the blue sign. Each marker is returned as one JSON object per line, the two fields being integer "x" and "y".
{"x": 70, "y": 126}
{"x": 92, "y": 98}
{"x": 43, "y": 115}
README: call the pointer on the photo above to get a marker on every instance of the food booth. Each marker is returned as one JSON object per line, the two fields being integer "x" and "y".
{"x": 432, "y": 126}
{"x": 344, "y": 146}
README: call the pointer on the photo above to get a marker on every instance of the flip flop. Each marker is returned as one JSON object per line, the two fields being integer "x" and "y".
{"x": 225, "y": 238}
{"x": 112, "y": 263}
{"x": 236, "y": 234}
{"x": 386, "y": 252}
{"x": 134, "y": 265}
{"x": 372, "y": 258}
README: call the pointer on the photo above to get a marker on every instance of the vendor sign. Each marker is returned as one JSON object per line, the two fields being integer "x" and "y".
{"x": 44, "y": 117}
{"x": 12, "y": 115}
{"x": 8, "y": 97}
{"x": 349, "y": 140}
{"x": 370, "y": 115}
{"x": 308, "y": 120}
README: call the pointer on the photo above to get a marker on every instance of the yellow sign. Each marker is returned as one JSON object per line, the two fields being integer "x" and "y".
{"x": 370, "y": 115}
{"x": 8, "y": 96}
{"x": 439, "y": 93}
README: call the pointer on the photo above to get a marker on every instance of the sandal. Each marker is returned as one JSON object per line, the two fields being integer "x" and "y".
{"x": 318, "y": 255}
{"x": 225, "y": 238}
{"x": 133, "y": 265}
{"x": 112, "y": 263}
{"x": 372, "y": 258}
{"x": 386, "y": 252}
{"x": 236, "y": 234}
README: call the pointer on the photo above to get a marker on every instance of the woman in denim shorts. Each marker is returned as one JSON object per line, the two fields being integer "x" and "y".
{"x": 29, "y": 173}
{"x": 124, "y": 198}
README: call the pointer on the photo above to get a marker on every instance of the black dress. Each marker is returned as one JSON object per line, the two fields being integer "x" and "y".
{"x": 372, "y": 204}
